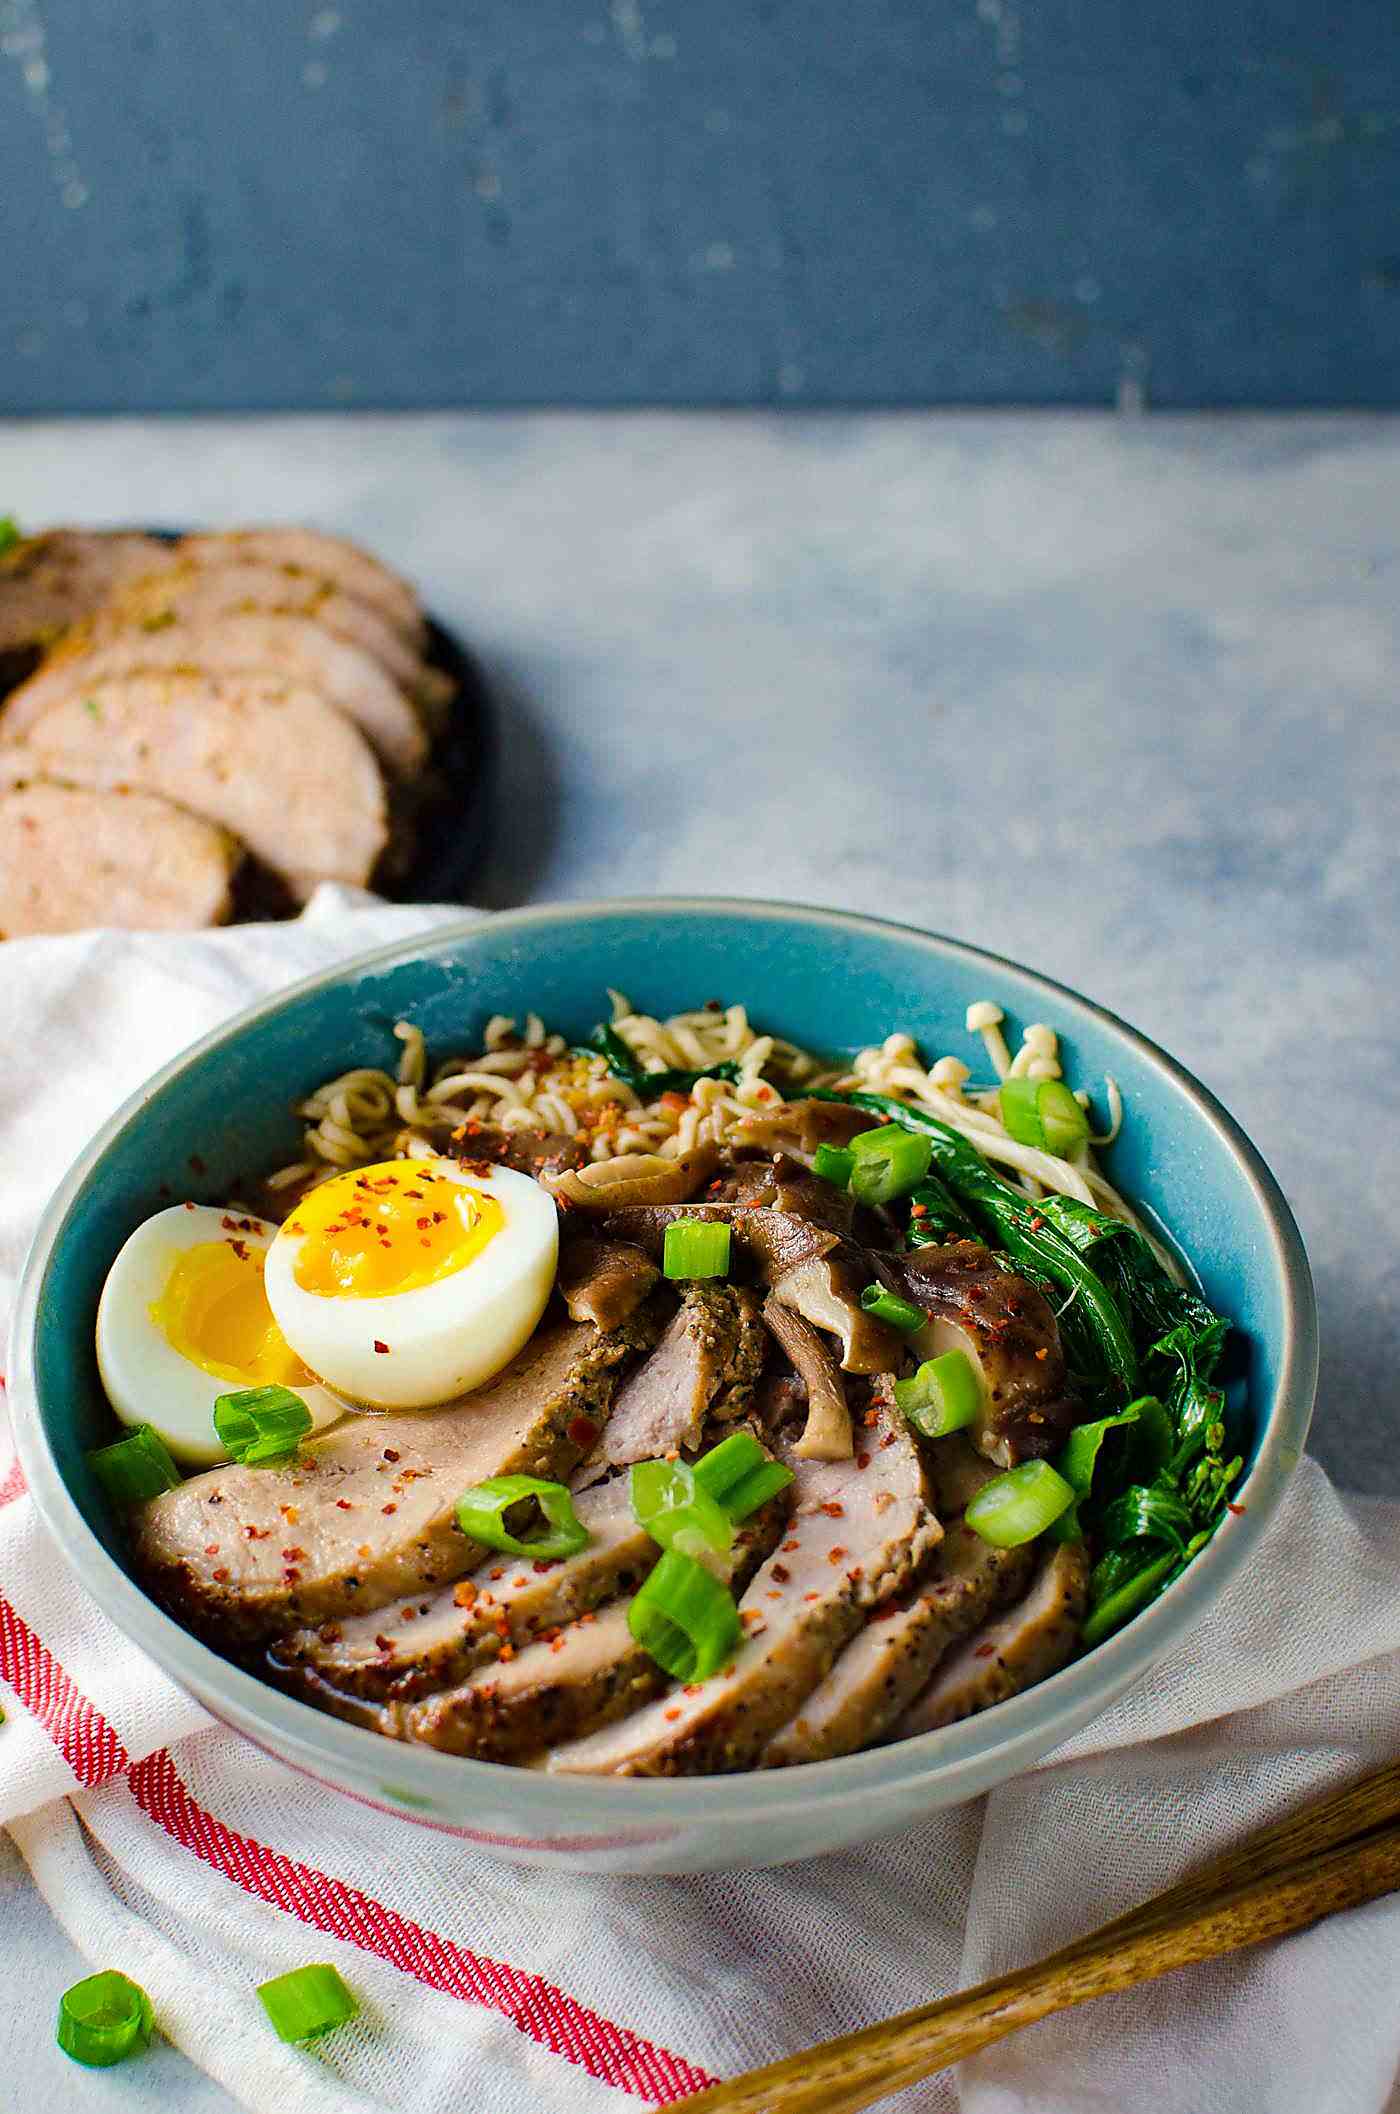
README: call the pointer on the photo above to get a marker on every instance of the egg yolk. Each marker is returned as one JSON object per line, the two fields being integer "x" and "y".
{"x": 391, "y": 1228}
{"x": 214, "y": 1312}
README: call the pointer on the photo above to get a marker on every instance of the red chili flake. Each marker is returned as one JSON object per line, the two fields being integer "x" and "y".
{"x": 862, "y": 1460}
{"x": 257, "y": 1533}
{"x": 884, "y": 1614}
{"x": 330, "y": 1633}
{"x": 388, "y": 1508}
{"x": 291, "y": 1575}
{"x": 872, "y": 1416}
{"x": 240, "y": 1249}
{"x": 856, "y": 1573}
{"x": 221, "y": 1575}
{"x": 389, "y": 1454}
{"x": 888, "y": 1440}
{"x": 1042, "y": 1354}
{"x": 364, "y": 1549}
{"x": 499, "y": 1572}
{"x": 191, "y": 1207}
{"x": 1238, "y": 1510}
{"x": 589, "y": 1617}
{"x": 517, "y": 1582}
{"x": 289, "y": 1514}
{"x": 211, "y": 1548}
{"x": 675, "y": 1102}
{"x": 811, "y": 1596}
{"x": 789, "y": 1546}
{"x": 583, "y": 1431}
{"x": 464, "y": 1593}
{"x": 343, "y": 1504}
{"x": 1037, "y": 1222}
{"x": 383, "y": 1643}
{"x": 781, "y": 1573}
{"x": 542, "y": 1564}
{"x": 674, "y": 1712}
{"x": 692, "y": 1688}
{"x": 833, "y": 1508}
{"x": 294, "y": 1555}
{"x": 835, "y": 1555}
{"x": 557, "y": 1645}
{"x": 381, "y": 1348}
{"x": 984, "y": 1651}
{"x": 507, "y": 1651}
{"x": 409, "y": 1614}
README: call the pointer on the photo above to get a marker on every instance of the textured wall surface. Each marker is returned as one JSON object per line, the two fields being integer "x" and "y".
{"x": 614, "y": 201}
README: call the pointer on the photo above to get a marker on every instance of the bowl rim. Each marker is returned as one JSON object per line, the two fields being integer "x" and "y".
{"x": 1015, "y": 1732}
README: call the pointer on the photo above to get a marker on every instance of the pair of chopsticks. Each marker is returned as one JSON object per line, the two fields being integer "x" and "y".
{"x": 1334, "y": 1854}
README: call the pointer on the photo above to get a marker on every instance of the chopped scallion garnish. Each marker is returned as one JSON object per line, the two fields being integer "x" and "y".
{"x": 481, "y": 1515}
{"x": 685, "y": 1619}
{"x": 668, "y": 1503}
{"x": 739, "y": 1475}
{"x": 104, "y": 2019}
{"x": 261, "y": 1426}
{"x": 833, "y": 1163}
{"x": 135, "y": 1468}
{"x": 944, "y": 1395}
{"x": 307, "y": 2002}
{"x": 1044, "y": 1113}
{"x": 696, "y": 1248}
{"x": 888, "y": 1306}
{"x": 1015, "y": 1507}
{"x": 888, "y": 1162}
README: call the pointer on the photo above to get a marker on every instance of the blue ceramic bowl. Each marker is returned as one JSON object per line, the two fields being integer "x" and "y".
{"x": 820, "y": 978}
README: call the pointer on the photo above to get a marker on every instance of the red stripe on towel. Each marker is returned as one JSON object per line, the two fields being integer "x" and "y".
{"x": 610, "y": 2053}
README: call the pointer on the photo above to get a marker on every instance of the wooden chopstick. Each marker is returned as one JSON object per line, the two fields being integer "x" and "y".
{"x": 1336, "y": 1853}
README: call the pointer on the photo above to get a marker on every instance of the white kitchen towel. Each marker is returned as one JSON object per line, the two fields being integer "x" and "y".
{"x": 169, "y": 1847}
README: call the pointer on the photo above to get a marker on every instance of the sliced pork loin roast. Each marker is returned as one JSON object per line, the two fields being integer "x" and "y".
{"x": 706, "y": 1364}
{"x": 1007, "y": 1329}
{"x": 270, "y": 642}
{"x": 364, "y": 1515}
{"x": 563, "y": 1686}
{"x": 603, "y": 1281}
{"x": 859, "y": 1530}
{"x": 434, "y": 1642}
{"x": 309, "y": 551}
{"x": 890, "y": 1661}
{"x": 190, "y": 593}
{"x": 1031, "y": 1641}
{"x": 52, "y": 581}
{"x": 71, "y": 858}
{"x": 271, "y": 761}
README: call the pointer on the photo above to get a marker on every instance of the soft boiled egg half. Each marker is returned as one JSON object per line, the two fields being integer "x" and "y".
{"x": 408, "y": 1283}
{"x": 184, "y": 1319}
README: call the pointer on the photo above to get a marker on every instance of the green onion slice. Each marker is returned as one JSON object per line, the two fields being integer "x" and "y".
{"x": 307, "y": 2002}
{"x": 261, "y": 1425}
{"x": 739, "y": 1475}
{"x": 104, "y": 2019}
{"x": 888, "y": 1306}
{"x": 833, "y": 1163}
{"x": 944, "y": 1395}
{"x": 669, "y": 1504}
{"x": 134, "y": 1468}
{"x": 685, "y": 1619}
{"x": 889, "y": 1162}
{"x": 1044, "y": 1113}
{"x": 1015, "y": 1507}
{"x": 696, "y": 1247}
{"x": 1128, "y": 1600}
{"x": 481, "y": 1515}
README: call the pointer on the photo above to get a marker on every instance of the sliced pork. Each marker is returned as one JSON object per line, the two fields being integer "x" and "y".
{"x": 859, "y": 1529}
{"x": 51, "y": 581}
{"x": 71, "y": 858}
{"x": 706, "y": 1363}
{"x": 1034, "y": 1639}
{"x": 294, "y": 649}
{"x": 310, "y": 552}
{"x": 270, "y": 761}
{"x": 364, "y": 1515}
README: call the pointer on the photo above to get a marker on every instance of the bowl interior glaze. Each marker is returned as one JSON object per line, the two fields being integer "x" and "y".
{"x": 829, "y": 981}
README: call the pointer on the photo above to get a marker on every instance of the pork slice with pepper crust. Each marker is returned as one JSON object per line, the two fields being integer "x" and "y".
{"x": 1006, "y": 1328}
{"x": 859, "y": 1529}
{"x": 401, "y": 1652}
{"x": 364, "y": 1516}
{"x": 885, "y": 1667}
{"x": 706, "y": 1363}
{"x": 1031, "y": 1641}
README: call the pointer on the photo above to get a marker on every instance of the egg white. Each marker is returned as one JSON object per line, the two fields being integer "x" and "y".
{"x": 443, "y": 1339}
{"x": 147, "y": 1380}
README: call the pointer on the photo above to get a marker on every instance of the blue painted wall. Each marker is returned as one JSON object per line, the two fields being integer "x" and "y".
{"x": 411, "y": 202}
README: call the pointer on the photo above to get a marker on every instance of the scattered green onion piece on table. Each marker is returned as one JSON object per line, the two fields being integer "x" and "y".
{"x": 685, "y": 1619}
{"x": 696, "y": 1247}
{"x": 888, "y": 1306}
{"x": 135, "y": 1468}
{"x": 1044, "y": 1113}
{"x": 259, "y": 1426}
{"x": 1128, "y": 1600}
{"x": 307, "y": 2002}
{"x": 668, "y": 1503}
{"x": 944, "y": 1395}
{"x": 1015, "y": 1507}
{"x": 104, "y": 2019}
{"x": 833, "y": 1163}
{"x": 889, "y": 1162}
{"x": 481, "y": 1515}
{"x": 739, "y": 1475}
